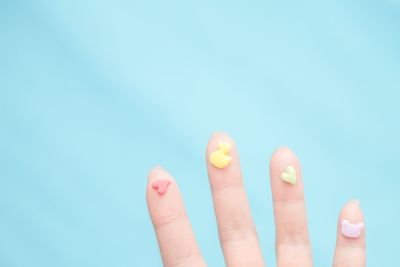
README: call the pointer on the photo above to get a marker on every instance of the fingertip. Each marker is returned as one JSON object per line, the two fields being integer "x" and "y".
{"x": 352, "y": 208}
{"x": 352, "y": 211}
{"x": 350, "y": 244}
{"x": 353, "y": 201}
{"x": 351, "y": 224}
{"x": 221, "y": 154}
{"x": 281, "y": 149}
{"x": 158, "y": 183}
{"x": 285, "y": 174}
{"x": 283, "y": 154}
{"x": 219, "y": 133}
{"x": 217, "y": 137}
{"x": 153, "y": 171}
{"x": 158, "y": 172}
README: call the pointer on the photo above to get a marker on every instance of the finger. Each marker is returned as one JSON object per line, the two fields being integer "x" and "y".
{"x": 292, "y": 242}
{"x": 174, "y": 233}
{"x": 350, "y": 244}
{"x": 237, "y": 232}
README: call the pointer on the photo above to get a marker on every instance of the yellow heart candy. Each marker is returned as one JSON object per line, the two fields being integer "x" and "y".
{"x": 289, "y": 176}
{"x": 220, "y": 158}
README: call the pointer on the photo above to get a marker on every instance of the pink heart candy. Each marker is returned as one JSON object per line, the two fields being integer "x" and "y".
{"x": 161, "y": 186}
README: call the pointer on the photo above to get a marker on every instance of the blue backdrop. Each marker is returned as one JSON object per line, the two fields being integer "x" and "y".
{"x": 94, "y": 93}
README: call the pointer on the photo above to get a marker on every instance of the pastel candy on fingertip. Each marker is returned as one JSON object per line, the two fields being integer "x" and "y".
{"x": 161, "y": 186}
{"x": 220, "y": 158}
{"x": 351, "y": 230}
{"x": 289, "y": 176}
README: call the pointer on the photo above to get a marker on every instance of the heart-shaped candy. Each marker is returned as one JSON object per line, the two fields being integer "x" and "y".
{"x": 161, "y": 186}
{"x": 289, "y": 176}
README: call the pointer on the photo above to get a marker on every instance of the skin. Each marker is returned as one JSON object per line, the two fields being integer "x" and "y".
{"x": 237, "y": 232}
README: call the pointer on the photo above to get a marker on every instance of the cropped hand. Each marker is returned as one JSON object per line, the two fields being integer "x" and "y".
{"x": 237, "y": 232}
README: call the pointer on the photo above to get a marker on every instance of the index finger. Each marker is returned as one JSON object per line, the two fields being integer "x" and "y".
{"x": 174, "y": 233}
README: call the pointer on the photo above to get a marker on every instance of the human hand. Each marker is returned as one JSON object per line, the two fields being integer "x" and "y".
{"x": 237, "y": 232}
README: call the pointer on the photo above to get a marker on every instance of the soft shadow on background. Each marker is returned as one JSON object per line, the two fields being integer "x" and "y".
{"x": 95, "y": 93}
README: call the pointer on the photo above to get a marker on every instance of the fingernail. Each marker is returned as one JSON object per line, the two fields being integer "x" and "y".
{"x": 154, "y": 171}
{"x": 355, "y": 201}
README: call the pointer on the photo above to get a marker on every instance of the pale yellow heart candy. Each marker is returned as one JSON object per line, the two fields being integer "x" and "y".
{"x": 289, "y": 176}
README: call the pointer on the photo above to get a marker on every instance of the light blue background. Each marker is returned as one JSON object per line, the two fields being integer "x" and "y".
{"x": 94, "y": 93}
